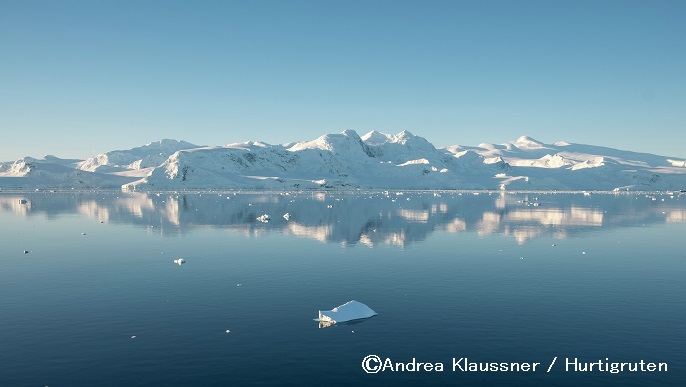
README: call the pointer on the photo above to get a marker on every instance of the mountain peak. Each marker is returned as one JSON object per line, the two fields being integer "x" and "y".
{"x": 405, "y": 134}
{"x": 149, "y": 155}
{"x": 351, "y": 134}
{"x": 528, "y": 139}
{"x": 528, "y": 142}
{"x": 168, "y": 142}
{"x": 345, "y": 141}
{"x": 376, "y": 138}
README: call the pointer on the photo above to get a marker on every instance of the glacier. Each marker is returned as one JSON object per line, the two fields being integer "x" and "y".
{"x": 347, "y": 161}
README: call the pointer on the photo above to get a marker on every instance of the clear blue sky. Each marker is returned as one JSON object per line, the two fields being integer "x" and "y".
{"x": 82, "y": 77}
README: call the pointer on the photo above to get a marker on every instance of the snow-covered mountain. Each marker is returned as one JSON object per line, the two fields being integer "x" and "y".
{"x": 146, "y": 156}
{"x": 30, "y": 173}
{"x": 343, "y": 161}
{"x": 348, "y": 161}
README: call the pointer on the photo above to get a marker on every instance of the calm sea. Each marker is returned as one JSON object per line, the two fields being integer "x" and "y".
{"x": 91, "y": 295}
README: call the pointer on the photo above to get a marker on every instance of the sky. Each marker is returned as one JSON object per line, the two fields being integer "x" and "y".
{"x": 79, "y": 78}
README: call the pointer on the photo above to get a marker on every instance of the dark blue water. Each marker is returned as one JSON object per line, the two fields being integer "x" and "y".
{"x": 494, "y": 278}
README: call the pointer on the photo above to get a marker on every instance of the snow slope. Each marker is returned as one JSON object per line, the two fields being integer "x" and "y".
{"x": 30, "y": 173}
{"x": 535, "y": 165}
{"x": 150, "y": 155}
{"x": 349, "y": 161}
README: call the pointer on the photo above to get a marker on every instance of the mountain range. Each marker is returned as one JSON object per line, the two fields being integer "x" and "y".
{"x": 348, "y": 161}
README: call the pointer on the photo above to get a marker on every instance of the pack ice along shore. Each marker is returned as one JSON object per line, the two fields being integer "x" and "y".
{"x": 348, "y": 161}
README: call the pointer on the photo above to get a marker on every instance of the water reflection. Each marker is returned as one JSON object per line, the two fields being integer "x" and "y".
{"x": 327, "y": 324}
{"x": 396, "y": 218}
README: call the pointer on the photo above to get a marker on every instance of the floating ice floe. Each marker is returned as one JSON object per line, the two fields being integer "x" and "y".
{"x": 263, "y": 218}
{"x": 179, "y": 261}
{"x": 350, "y": 311}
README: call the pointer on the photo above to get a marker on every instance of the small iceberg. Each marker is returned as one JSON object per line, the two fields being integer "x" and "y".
{"x": 351, "y": 310}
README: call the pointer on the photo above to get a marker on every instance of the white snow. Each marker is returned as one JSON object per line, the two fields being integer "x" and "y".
{"x": 526, "y": 142}
{"x": 149, "y": 155}
{"x": 414, "y": 162}
{"x": 347, "y": 161}
{"x": 376, "y": 138}
{"x": 591, "y": 163}
{"x": 493, "y": 160}
{"x": 547, "y": 161}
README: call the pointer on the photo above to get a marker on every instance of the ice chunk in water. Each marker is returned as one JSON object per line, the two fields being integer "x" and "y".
{"x": 351, "y": 310}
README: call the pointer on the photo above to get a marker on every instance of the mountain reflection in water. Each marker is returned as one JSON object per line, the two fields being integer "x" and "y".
{"x": 374, "y": 218}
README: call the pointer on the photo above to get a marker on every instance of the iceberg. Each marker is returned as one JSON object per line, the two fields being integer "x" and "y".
{"x": 351, "y": 310}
